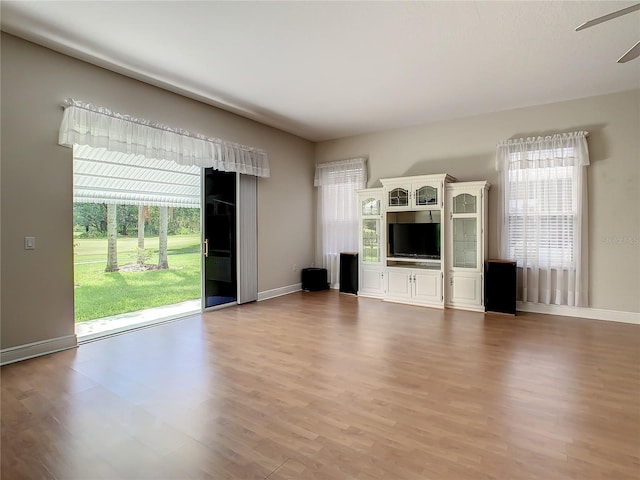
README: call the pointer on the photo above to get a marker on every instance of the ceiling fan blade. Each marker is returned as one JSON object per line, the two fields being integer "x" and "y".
{"x": 610, "y": 16}
{"x": 633, "y": 52}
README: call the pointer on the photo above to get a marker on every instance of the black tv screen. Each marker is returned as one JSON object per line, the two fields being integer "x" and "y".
{"x": 420, "y": 240}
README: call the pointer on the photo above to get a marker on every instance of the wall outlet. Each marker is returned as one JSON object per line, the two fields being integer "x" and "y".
{"x": 295, "y": 267}
{"x": 29, "y": 243}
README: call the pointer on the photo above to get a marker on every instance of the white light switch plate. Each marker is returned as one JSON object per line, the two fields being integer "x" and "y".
{"x": 29, "y": 243}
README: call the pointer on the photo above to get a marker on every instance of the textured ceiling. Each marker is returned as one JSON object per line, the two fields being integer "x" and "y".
{"x": 325, "y": 70}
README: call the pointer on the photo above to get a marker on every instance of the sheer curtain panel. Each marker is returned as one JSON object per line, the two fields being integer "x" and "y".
{"x": 98, "y": 127}
{"x": 337, "y": 229}
{"x": 543, "y": 216}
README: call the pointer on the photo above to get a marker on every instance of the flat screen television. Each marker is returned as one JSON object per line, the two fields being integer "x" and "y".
{"x": 414, "y": 240}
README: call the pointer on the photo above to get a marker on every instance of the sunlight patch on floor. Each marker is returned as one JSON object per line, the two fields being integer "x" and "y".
{"x": 92, "y": 329}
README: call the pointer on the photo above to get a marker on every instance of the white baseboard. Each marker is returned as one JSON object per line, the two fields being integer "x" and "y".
{"x": 277, "y": 292}
{"x": 371, "y": 295}
{"x": 581, "y": 312}
{"x": 36, "y": 349}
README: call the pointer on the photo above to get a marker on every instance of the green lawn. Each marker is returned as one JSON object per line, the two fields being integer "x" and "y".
{"x": 99, "y": 294}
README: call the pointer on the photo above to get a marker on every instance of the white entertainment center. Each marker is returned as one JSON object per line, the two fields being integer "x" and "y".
{"x": 423, "y": 241}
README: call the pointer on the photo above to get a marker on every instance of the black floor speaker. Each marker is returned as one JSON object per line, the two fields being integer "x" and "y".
{"x": 500, "y": 286}
{"x": 349, "y": 272}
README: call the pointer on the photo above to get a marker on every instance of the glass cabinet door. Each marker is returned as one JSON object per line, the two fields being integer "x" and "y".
{"x": 371, "y": 206}
{"x": 465, "y": 242}
{"x": 464, "y": 203}
{"x": 399, "y": 197}
{"x": 371, "y": 240}
{"x": 464, "y": 209}
{"x": 426, "y": 195}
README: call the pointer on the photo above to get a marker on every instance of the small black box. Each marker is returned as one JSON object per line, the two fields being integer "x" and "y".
{"x": 314, "y": 279}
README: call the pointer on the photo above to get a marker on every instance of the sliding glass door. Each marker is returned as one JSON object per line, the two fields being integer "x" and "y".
{"x": 220, "y": 281}
{"x": 230, "y": 238}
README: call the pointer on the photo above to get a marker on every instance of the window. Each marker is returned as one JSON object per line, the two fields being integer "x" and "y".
{"x": 544, "y": 214}
{"x": 542, "y": 211}
{"x": 337, "y": 183}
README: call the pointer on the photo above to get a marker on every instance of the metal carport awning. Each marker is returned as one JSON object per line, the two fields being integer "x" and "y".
{"x": 103, "y": 176}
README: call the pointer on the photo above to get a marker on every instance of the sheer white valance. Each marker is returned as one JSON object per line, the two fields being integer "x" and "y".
{"x": 560, "y": 150}
{"x": 98, "y": 127}
{"x": 343, "y": 172}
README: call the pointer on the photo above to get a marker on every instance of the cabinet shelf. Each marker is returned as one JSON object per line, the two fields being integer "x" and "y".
{"x": 414, "y": 263}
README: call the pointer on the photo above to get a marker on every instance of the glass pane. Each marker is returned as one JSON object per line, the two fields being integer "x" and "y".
{"x": 371, "y": 206}
{"x": 427, "y": 196}
{"x": 464, "y": 243}
{"x": 464, "y": 203}
{"x": 220, "y": 266}
{"x": 371, "y": 240}
{"x": 399, "y": 197}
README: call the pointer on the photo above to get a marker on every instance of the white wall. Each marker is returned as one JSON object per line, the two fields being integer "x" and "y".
{"x": 465, "y": 148}
{"x": 36, "y": 189}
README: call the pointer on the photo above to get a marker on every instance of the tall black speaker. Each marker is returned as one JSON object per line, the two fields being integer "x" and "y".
{"x": 500, "y": 286}
{"x": 349, "y": 272}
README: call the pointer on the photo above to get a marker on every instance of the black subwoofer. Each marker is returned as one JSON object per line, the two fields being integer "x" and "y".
{"x": 314, "y": 279}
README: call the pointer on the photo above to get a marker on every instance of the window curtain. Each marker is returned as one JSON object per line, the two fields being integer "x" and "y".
{"x": 337, "y": 228}
{"x": 98, "y": 127}
{"x": 543, "y": 216}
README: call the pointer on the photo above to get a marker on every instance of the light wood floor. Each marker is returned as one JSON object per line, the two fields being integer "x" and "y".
{"x": 329, "y": 386}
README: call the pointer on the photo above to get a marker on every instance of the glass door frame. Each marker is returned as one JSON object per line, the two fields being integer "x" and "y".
{"x": 205, "y": 246}
{"x": 478, "y": 229}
